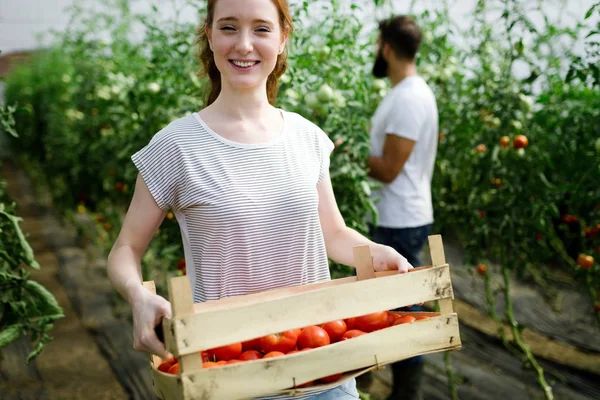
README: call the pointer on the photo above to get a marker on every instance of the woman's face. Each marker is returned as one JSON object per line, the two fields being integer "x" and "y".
{"x": 246, "y": 39}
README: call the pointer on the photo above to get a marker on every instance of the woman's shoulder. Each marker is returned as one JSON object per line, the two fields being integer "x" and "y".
{"x": 178, "y": 129}
{"x": 301, "y": 123}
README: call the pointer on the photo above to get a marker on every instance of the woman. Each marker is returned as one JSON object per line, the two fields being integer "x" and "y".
{"x": 248, "y": 183}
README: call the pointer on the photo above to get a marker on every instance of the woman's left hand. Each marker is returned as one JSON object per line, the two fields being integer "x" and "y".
{"x": 385, "y": 258}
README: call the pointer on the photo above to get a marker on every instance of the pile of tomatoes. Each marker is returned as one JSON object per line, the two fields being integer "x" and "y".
{"x": 297, "y": 340}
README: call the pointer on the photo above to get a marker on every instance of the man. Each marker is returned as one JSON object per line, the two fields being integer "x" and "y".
{"x": 404, "y": 135}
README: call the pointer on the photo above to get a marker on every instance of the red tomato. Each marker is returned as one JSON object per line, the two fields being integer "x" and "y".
{"x": 272, "y": 354}
{"x": 209, "y": 364}
{"x": 165, "y": 366}
{"x": 222, "y": 362}
{"x": 520, "y": 142}
{"x": 331, "y": 378}
{"x": 392, "y": 316}
{"x": 205, "y": 356}
{"x": 350, "y": 323}
{"x": 174, "y": 369}
{"x": 250, "y": 355}
{"x": 307, "y": 384}
{"x": 313, "y": 336}
{"x": 253, "y": 344}
{"x": 405, "y": 319}
{"x": 352, "y": 333}
{"x": 226, "y": 353}
{"x": 234, "y": 361}
{"x": 282, "y": 342}
{"x": 372, "y": 322}
{"x": 335, "y": 329}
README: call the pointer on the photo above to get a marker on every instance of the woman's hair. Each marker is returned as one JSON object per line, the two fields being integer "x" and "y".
{"x": 206, "y": 56}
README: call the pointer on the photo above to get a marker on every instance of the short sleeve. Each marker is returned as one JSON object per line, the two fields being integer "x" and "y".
{"x": 407, "y": 119}
{"x": 325, "y": 147}
{"x": 161, "y": 165}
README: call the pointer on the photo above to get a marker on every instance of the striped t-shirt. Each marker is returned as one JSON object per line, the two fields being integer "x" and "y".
{"x": 248, "y": 213}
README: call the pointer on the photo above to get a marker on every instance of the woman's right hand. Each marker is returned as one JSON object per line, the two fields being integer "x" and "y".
{"x": 148, "y": 310}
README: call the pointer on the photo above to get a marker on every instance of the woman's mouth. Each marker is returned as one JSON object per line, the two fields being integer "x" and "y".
{"x": 243, "y": 65}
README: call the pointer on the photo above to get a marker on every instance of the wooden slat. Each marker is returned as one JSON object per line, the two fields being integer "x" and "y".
{"x": 206, "y": 330}
{"x": 278, "y": 293}
{"x": 182, "y": 305}
{"x": 263, "y": 377}
{"x": 151, "y": 286}
{"x": 363, "y": 263}
{"x": 438, "y": 257}
{"x": 166, "y": 386}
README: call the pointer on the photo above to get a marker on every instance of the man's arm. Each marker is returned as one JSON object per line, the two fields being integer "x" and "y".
{"x": 396, "y": 151}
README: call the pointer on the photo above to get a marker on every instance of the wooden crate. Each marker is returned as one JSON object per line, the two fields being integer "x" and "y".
{"x": 196, "y": 327}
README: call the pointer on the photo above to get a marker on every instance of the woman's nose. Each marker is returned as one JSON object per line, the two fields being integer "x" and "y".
{"x": 244, "y": 43}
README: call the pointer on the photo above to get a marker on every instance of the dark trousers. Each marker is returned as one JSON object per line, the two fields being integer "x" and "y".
{"x": 409, "y": 243}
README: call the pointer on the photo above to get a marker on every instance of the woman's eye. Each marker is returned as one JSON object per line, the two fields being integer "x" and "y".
{"x": 263, "y": 29}
{"x": 227, "y": 28}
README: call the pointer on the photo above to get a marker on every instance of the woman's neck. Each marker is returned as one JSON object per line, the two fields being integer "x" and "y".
{"x": 243, "y": 104}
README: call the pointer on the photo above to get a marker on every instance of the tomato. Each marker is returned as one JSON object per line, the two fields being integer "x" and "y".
{"x": 405, "y": 319}
{"x": 226, "y": 353}
{"x": 253, "y": 344}
{"x": 282, "y": 342}
{"x": 272, "y": 354}
{"x": 372, "y": 322}
{"x": 350, "y": 323}
{"x": 165, "y": 366}
{"x": 222, "y": 362}
{"x": 570, "y": 219}
{"x": 504, "y": 141}
{"x": 331, "y": 378}
{"x": 234, "y": 361}
{"x": 335, "y": 329}
{"x": 205, "y": 356}
{"x": 585, "y": 261}
{"x": 307, "y": 384}
{"x": 352, "y": 334}
{"x": 325, "y": 93}
{"x": 422, "y": 317}
{"x": 250, "y": 355}
{"x": 520, "y": 142}
{"x": 481, "y": 269}
{"x": 480, "y": 148}
{"x": 174, "y": 370}
{"x": 392, "y": 316}
{"x": 313, "y": 336}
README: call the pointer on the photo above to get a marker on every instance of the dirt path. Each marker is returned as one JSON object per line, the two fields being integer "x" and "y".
{"x": 71, "y": 366}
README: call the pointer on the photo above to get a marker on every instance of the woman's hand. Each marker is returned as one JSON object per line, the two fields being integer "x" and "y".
{"x": 148, "y": 310}
{"x": 385, "y": 258}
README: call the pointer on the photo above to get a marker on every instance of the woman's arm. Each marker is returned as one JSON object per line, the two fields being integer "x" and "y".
{"x": 340, "y": 240}
{"x": 124, "y": 268}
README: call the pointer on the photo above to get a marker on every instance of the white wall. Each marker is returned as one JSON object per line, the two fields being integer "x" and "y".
{"x": 22, "y": 20}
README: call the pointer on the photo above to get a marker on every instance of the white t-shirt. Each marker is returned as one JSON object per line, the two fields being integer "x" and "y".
{"x": 409, "y": 110}
{"x": 248, "y": 213}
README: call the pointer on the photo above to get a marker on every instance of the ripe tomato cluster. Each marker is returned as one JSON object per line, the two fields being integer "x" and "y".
{"x": 297, "y": 340}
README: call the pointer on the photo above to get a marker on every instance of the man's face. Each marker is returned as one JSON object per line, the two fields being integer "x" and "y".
{"x": 380, "y": 67}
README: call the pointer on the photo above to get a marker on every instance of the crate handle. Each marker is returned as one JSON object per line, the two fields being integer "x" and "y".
{"x": 363, "y": 262}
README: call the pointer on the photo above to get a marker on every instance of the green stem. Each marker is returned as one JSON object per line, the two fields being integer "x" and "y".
{"x": 450, "y": 375}
{"x": 517, "y": 336}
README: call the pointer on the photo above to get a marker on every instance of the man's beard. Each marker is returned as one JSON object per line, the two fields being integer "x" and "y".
{"x": 380, "y": 68}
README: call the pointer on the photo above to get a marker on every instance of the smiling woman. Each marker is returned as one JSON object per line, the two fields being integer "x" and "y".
{"x": 248, "y": 182}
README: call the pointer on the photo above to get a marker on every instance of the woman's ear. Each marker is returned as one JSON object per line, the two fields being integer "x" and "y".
{"x": 284, "y": 38}
{"x": 208, "y": 32}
